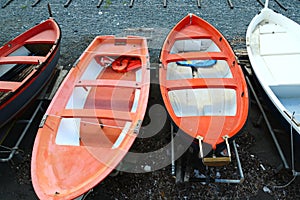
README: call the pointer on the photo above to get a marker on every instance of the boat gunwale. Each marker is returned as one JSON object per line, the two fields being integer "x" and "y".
{"x": 226, "y": 53}
{"x": 41, "y": 67}
{"x": 93, "y": 178}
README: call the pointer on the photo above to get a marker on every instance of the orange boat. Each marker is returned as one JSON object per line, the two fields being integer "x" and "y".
{"x": 203, "y": 86}
{"x": 26, "y": 65}
{"x": 93, "y": 119}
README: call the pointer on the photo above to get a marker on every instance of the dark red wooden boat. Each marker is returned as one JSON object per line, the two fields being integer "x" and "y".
{"x": 26, "y": 65}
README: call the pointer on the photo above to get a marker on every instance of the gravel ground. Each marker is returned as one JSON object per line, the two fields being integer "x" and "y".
{"x": 81, "y": 22}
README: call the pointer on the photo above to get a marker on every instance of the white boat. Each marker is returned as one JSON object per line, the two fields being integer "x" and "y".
{"x": 273, "y": 47}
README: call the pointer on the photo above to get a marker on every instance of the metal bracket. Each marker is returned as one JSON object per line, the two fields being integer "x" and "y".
{"x": 215, "y": 161}
{"x": 184, "y": 174}
{"x": 15, "y": 149}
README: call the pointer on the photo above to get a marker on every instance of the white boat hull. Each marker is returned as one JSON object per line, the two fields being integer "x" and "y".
{"x": 273, "y": 48}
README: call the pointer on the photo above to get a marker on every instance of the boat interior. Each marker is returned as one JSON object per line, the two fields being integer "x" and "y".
{"x": 201, "y": 101}
{"x": 274, "y": 58}
{"x": 289, "y": 97}
{"x": 18, "y": 71}
{"x": 103, "y": 100}
{"x": 13, "y": 71}
{"x": 279, "y": 66}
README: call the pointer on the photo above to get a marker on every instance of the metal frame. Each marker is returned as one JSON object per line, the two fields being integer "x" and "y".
{"x": 176, "y": 169}
{"x": 283, "y": 159}
{"x": 13, "y": 150}
{"x": 264, "y": 116}
{"x": 295, "y": 173}
{"x": 239, "y": 166}
{"x": 42, "y": 97}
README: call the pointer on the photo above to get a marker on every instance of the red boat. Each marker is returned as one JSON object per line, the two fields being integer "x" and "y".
{"x": 93, "y": 119}
{"x": 26, "y": 64}
{"x": 203, "y": 86}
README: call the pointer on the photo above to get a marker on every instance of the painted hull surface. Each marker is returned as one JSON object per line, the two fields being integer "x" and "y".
{"x": 274, "y": 52}
{"x": 26, "y": 64}
{"x": 202, "y": 85}
{"x": 93, "y": 119}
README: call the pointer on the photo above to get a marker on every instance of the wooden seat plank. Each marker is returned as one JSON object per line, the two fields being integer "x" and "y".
{"x": 196, "y": 56}
{"x": 108, "y": 83}
{"x": 200, "y": 83}
{"x": 22, "y": 60}
{"x": 96, "y": 113}
{"x": 6, "y": 86}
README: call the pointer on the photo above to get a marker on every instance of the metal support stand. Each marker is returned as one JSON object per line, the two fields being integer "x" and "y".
{"x": 261, "y": 3}
{"x": 183, "y": 173}
{"x": 6, "y": 3}
{"x": 35, "y": 3}
{"x": 67, "y": 3}
{"x": 230, "y": 4}
{"x": 172, "y": 152}
{"x": 165, "y": 3}
{"x": 12, "y": 151}
{"x": 268, "y": 124}
{"x": 295, "y": 173}
{"x": 239, "y": 166}
{"x": 131, "y": 3}
{"x": 199, "y": 3}
{"x": 214, "y": 161}
{"x": 280, "y": 5}
{"x": 99, "y": 3}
